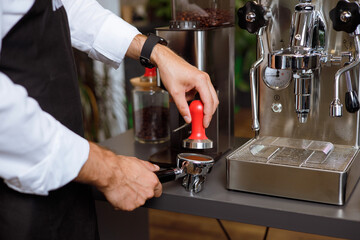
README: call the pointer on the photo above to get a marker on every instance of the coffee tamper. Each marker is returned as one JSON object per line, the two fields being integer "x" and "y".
{"x": 197, "y": 139}
{"x": 192, "y": 167}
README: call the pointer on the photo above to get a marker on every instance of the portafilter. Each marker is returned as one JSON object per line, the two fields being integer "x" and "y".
{"x": 192, "y": 167}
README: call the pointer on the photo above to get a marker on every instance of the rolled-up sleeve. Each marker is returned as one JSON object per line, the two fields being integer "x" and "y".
{"x": 98, "y": 32}
{"x": 37, "y": 153}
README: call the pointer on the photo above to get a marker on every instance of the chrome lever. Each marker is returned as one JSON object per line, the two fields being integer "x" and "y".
{"x": 181, "y": 127}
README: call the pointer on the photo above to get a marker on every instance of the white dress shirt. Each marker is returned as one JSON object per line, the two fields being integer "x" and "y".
{"x": 37, "y": 153}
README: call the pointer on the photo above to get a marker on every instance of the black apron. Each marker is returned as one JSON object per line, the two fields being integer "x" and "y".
{"x": 36, "y": 53}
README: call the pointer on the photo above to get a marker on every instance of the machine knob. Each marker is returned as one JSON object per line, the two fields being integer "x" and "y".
{"x": 345, "y": 16}
{"x": 252, "y": 17}
{"x": 351, "y": 102}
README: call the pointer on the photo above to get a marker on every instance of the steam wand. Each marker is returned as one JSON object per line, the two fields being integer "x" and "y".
{"x": 345, "y": 17}
{"x": 254, "y": 18}
{"x": 336, "y": 105}
{"x": 253, "y": 84}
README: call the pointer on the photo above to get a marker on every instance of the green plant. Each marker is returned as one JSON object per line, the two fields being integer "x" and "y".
{"x": 90, "y": 112}
{"x": 160, "y": 9}
{"x": 245, "y": 53}
{"x": 102, "y": 108}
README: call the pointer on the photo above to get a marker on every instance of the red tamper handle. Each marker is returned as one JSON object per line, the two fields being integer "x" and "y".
{"x": 197, "y": 139}
{"x": 197, "y": 116}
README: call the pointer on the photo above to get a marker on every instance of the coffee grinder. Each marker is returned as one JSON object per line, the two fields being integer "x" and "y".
{"x": 305, "y": 146}
{"x": 202, "y": 32}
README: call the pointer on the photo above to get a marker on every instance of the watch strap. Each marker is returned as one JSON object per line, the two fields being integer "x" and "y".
{"x": 147, "y": 49}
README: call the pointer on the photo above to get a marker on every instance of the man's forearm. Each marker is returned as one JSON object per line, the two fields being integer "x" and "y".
{"x": 135, "y": 47}
{"x": 97, "y": 169}
{"x": 159, "y": 52}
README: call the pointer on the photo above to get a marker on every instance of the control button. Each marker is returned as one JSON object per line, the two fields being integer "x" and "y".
{"x": 276, "y": 107}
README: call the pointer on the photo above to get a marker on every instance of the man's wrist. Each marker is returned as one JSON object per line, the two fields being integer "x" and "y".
{"x": 158, "y": 55}
{"x": 96, "y": 170}
{"x": 146, "y": 51}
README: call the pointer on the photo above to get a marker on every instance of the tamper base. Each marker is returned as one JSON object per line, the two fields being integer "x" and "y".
{"x": 197, "y": 143}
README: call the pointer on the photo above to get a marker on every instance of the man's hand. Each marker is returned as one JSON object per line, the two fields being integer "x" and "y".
{"x": 126, "y": 182}
{"x": 181, "y": 79}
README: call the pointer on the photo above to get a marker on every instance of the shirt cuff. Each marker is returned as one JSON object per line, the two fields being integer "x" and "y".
{"x": 113, "y": 40}
{"x": 54, "y": 172}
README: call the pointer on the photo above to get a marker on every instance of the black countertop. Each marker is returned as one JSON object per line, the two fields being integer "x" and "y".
{"x": 215, "y": 201}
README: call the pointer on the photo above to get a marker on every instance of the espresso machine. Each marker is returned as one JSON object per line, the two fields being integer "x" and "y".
{"x": 306, "y": 145}
{"x": 202, "y": 32}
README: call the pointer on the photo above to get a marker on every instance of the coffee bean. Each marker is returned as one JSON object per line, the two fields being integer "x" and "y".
{"x": 214, "y": 17}
{"x": 151, "y": 123}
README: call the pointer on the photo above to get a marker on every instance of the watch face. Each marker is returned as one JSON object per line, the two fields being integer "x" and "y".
{"x": 146, "y": 62}
{"x": 163, "y": 41}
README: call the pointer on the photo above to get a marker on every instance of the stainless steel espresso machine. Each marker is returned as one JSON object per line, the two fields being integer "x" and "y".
{"x": 202, "y": 32}
{"x": 306, "y": 145}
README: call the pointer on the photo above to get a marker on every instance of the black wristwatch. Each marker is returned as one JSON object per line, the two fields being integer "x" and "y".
{"x": 149, "y": 44}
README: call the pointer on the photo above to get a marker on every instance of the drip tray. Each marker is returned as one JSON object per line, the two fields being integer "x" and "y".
{"x": 295, "y": 168}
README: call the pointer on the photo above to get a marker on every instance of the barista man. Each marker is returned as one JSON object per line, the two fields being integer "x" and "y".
{"x": 43, "y": 160}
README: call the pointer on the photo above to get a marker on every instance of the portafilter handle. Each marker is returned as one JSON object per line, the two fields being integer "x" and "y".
{"x": 169, "y": 175}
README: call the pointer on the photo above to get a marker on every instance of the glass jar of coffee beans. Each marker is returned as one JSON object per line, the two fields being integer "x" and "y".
{"x": 150, "y": 109}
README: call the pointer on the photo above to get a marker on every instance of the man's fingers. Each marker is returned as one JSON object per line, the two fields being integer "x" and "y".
{"x": 208, "y": 101}
{"x": 182, "y": 106}
{"x": 214, "y": 96}
{"x": 191, "y": 94}
{"x": 215, "y": 101}
{"x": 150, "y": 166}
{"x": 158, "y": 190}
